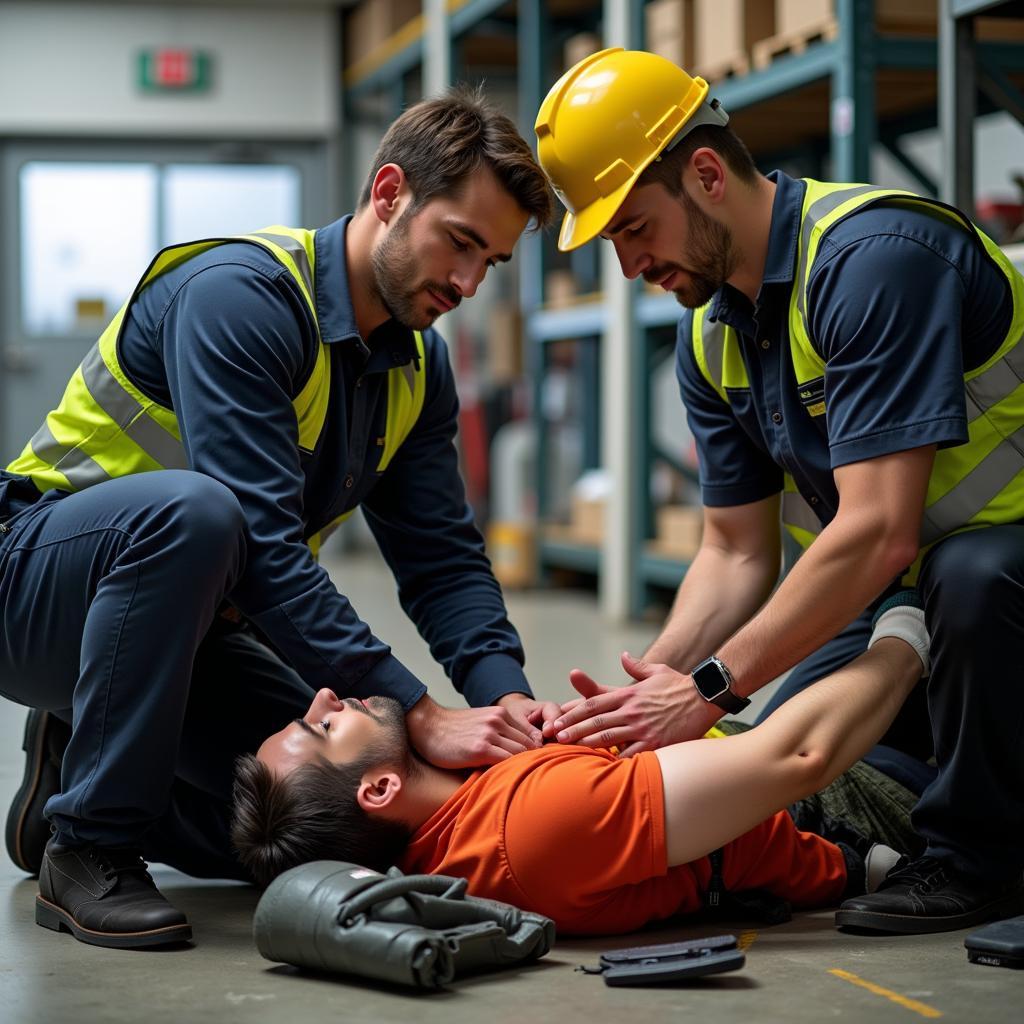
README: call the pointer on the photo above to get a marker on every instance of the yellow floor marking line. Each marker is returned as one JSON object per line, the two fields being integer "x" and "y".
{"x": 905, "y": 1001}
{"x": 746, "y": 940}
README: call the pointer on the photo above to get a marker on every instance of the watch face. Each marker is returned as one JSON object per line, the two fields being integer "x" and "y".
{"x": 709, "y": 680}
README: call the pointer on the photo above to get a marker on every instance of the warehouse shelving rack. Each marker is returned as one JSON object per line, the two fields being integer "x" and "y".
{"x": 836, "y": 98}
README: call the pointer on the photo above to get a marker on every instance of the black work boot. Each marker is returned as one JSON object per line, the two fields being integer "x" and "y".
{"x": 106, "y": 897}
{"x": 926, "y": 895}
{"x": 46, "y": 737}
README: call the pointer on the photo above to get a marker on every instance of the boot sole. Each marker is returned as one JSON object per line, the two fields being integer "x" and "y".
{"x": 35, "y": 727}
{"x": 59, "y": 920}
{"x": 916, "y": 924}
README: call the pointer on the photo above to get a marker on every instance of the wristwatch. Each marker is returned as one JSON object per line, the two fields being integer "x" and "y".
{"x": 714, "y": 683}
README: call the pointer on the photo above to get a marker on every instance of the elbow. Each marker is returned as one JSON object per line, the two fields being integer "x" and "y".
{"x": 809, "y": 768}
{"x": 899, "y": 549}
{"x": 889, "y": 548}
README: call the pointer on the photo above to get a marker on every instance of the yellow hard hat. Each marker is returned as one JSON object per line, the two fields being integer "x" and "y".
{"x": 604, "y": 121}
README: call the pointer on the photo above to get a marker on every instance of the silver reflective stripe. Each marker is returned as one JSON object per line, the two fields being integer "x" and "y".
{"x": 972, "y": 493}
{"x": 999, "y": 381}
{"x": 123, "y": 408}
{"x": 80, "y": 470}
{"x": 410, "y": 376}
{"x": 297, "y": 251}
{"x": 106, "y": 390}
{"x": 163, "y": 448}
{"x": 817, "y": 210}
{"x": 796, "y": 512}
{"x": 713, "y": 337}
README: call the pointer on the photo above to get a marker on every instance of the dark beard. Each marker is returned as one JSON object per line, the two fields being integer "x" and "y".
{"x": 710, "y": 253}
{"x": 394, "y": 269}
{"x": 393, "y": 748}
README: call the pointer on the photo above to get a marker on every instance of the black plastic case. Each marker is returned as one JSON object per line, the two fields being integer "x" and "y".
{"x": 1000, "y": 944}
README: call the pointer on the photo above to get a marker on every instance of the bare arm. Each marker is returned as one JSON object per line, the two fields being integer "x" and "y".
{"x": 734, "y": 571}
{"x": 715, "y": 790}
{"x": 872, "y": 538}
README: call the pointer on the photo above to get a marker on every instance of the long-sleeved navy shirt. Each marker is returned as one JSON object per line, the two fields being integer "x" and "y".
{"x": 227, "y": 341}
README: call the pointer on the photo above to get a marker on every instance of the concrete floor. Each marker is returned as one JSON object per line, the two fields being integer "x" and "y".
{"x": 801, "y": 971}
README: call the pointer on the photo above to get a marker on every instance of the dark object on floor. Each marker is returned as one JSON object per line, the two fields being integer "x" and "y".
{"x": 669, "y": 962}
{"x": 925, "y": 895}
{"x": 105, "y": 897}
{"x": 28, "y": 831}
{"x": 1000, "y": 944}
{"x": 418, "y": 930}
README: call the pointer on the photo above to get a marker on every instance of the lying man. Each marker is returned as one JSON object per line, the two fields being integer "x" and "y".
{"x": 598, "y": 843}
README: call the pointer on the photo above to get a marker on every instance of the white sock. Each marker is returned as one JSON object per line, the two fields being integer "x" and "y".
{"x": 906, "y": 622}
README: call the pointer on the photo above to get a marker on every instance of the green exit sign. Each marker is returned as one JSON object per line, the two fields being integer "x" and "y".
{"x": 174, "y": 70}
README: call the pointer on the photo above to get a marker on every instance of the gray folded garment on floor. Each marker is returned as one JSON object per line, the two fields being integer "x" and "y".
{"x": 418, "y": 930}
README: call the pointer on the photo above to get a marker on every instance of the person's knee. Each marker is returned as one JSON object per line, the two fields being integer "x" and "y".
{"x": 203, "y": 513}
{"x": 966, "y": 583}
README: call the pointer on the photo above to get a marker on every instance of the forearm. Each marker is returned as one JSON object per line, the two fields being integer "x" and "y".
{"x": 848, "y": 566}
{"x": 720, "y": 592}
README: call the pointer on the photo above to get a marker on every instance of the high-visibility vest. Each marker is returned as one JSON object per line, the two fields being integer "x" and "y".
{"x": 105, "y": 427}
{"x": 980, "y": 483}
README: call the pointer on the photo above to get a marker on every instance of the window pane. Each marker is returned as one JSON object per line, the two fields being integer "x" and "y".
{"x": 201, "y": 200}
{"x": 88, "y": 233}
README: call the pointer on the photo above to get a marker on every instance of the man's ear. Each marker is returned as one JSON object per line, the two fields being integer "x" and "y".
{"x": 710, "y": 173}
{"x": 378, "y": 790}
{"x": 387, "y": 191}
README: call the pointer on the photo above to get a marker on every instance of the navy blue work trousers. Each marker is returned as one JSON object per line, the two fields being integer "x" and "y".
{"x": 969, "y": 713}
{"x": 109, "y": 600}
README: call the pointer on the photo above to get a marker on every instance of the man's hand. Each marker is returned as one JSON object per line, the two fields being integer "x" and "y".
{"x": 661, "y": 707}
{"x": 470, "y": 737}
{"x": 532, "y": 714}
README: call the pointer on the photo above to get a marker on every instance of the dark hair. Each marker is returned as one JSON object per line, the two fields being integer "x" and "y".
{"x": 279, "y": 822}
{"x": 668, "y": 171}
{"x": 440, "y": 142}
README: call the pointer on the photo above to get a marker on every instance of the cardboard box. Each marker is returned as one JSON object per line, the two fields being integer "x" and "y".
{"x": 912, "y": 16}
{"x": 587, "y": 519}
{"x": 579, "y": 46}
{"x": 511, "y": 548}
{"x": 504, "y": 343}
{"x": 679, "y": 529}
{"x": 795, "y": 16}
{"x": 560, "y": 288}
{"x": 669, "y": 30}
{"x": 373, "y": 21}
{"x": 725, "y": 30}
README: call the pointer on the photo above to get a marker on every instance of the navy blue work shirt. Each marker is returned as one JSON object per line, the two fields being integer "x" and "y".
{"x": 227, "y": 341}
{"x": 901, "y": 304}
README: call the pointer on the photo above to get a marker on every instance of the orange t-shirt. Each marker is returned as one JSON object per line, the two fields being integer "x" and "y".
{"x": 579, "y": 835}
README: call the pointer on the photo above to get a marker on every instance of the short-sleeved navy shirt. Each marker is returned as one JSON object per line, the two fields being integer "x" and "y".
{"x": 227, "y": 341}
{"x": 900, "y": 302}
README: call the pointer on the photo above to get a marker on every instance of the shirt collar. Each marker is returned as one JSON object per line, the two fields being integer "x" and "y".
{"x": 392, "y": 344}
{"x": 780, "y": 262}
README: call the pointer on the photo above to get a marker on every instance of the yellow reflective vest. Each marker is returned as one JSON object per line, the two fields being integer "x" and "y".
{"x": 105, "y": 427}
{"x": 980, "y": 483}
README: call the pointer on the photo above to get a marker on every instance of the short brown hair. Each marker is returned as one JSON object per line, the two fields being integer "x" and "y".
{"x": 312, "y": 813}
{"x": 668, "y": 171}
{"x": 440, "y": 142}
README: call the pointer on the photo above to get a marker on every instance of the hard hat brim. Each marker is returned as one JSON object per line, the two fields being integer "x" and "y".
{"x": 580, "y": 228}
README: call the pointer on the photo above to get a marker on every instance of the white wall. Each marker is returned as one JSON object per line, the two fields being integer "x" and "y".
{"x": 71, "y": 69}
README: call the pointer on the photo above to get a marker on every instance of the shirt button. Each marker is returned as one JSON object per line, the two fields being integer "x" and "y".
{"x": 814, "y": 501}
{"x": 766, "y": 344}
{"x": 359, "y": 383}
{"x": 776, "y": 417}
{"x": 349, "y": 480}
